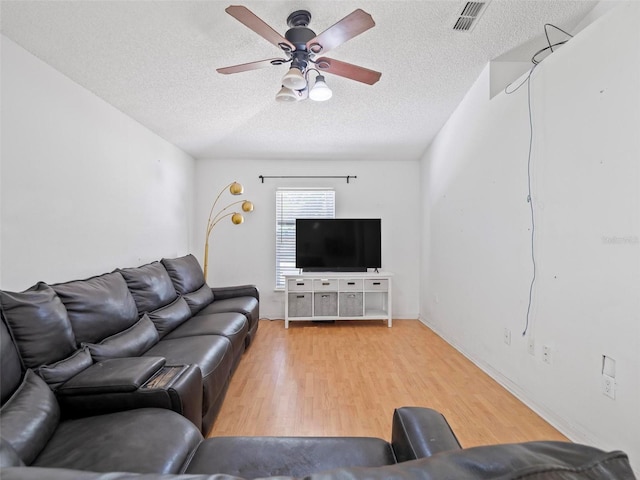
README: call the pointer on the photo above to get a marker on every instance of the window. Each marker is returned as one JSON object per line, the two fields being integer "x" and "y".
{"x": 292, "y": 204}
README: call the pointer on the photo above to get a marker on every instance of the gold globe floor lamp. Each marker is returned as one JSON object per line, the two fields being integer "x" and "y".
{"x": 236, "y": 218}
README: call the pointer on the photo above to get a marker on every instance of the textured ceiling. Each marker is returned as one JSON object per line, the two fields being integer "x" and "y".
{"x": 156, "y": 61}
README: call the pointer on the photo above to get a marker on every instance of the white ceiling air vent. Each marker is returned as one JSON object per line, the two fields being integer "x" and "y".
{"x": 468, "y": 19}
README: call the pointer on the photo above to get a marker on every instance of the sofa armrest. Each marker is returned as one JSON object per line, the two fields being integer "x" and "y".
{"x": 137, "y": 382}
{"x": 220, "y": 293}
{"x": 185, "y": 394}
{"x": 420, "y": 432}
{"x": 115, "y": 375}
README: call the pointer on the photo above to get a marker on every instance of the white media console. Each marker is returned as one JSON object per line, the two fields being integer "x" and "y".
{"x": 337, "y": 296}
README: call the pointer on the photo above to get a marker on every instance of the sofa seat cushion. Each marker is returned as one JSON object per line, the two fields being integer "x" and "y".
{"x": 150, "y": 286}
{"x": 98, "y": 307}
{"x": 29, "y": 417}
{"x": 39, "y": 324}
{"x": 248, "y": 306}
{"x": 256, "y": 457}
{"x": 145, "y": 440}
{"x": 232, "y": 325}
{"x": 245, "y": 304}
{"x": 212, "y": 353}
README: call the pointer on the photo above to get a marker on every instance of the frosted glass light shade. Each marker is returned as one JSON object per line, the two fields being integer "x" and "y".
{"x": 320, "y": 90}
{"x": 286, "y": 95}
{"x": 294, "y": 79}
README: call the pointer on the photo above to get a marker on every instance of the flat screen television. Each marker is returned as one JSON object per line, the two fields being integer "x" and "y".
{"x": 338, "y": 244}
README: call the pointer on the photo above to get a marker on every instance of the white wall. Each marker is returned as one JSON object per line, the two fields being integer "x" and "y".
{"x": 476, "y": 264}
{"x": 246, "y": 253}
{"x": 85, "y": 189}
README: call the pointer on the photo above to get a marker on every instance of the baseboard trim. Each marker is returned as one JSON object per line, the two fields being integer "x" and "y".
{"x": 572, "y": 432}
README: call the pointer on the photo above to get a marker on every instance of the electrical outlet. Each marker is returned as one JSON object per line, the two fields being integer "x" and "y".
{"x": 531, "y": 346}
{"x": 506, "y": 336}
{"x": 546, "y": 354}
{"x": 609, "y": 386}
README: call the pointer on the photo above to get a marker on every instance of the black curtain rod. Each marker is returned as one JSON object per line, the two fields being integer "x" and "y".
{"x": 347, "y": 177}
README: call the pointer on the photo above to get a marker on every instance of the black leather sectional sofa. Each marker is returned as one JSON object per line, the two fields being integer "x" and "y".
{"x": 150, "y": 336}
{"x": 123, "y": 372}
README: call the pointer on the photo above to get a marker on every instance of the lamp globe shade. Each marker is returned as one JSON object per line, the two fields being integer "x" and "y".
{"x": 294, "y": 79}
{"x": 320, "y": 90}
{"x": 236, "y": 189}
{"x": 237, "y": 219}
{"x": 247, "y": 206}
{"x": 286, "y": 95}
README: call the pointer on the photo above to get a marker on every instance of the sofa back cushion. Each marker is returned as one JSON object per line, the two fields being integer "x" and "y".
{"x": 98, "y": 306}
{"x": 185, "y": 272}
{"x": 132, "y": 342}
{"x": 39, "y": 325}
{"x": 199, "y": 299}
{"x": 29, "y": 417}
{"x": 59, "y": 372}
{"x": 150, "y": 286}
{"x": 188, "y": 280}
{"x": 170, "y": 316}
{"x": 10, "y": 367}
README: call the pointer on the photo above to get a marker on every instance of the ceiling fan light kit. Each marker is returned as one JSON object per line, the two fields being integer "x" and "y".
{"x": 286, "y": 95}
{"x": 294, "y": 79}
{"x": 320, "y": 91}
{"x": 300, "y": 44}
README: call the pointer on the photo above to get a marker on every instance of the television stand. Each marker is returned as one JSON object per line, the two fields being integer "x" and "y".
{"x": 337, "y": 296}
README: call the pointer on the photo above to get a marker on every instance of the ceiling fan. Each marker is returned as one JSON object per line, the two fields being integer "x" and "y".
{"x": 301, "y": 47}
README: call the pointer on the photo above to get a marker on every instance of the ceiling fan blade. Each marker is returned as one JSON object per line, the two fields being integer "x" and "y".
{"x": 347, "y": 70}
{"x": 251, "y": 20}
{"x": 245, "y": 67}
{"x": 350, "y": 26}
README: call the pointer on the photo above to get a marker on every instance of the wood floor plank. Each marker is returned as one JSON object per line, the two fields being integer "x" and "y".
{"x": 346, "y": 378}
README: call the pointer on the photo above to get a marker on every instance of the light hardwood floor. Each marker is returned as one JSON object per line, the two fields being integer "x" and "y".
{"x": 346, "y": 378}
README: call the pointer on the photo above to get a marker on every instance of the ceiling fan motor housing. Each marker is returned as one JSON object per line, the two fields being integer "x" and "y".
{"x": 299, "y": 36}
{"x": 299, "y": 18}
{"x": 299, "y": 59}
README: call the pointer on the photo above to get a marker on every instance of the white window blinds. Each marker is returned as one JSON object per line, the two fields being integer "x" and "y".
{"x": 292, "y": 204}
